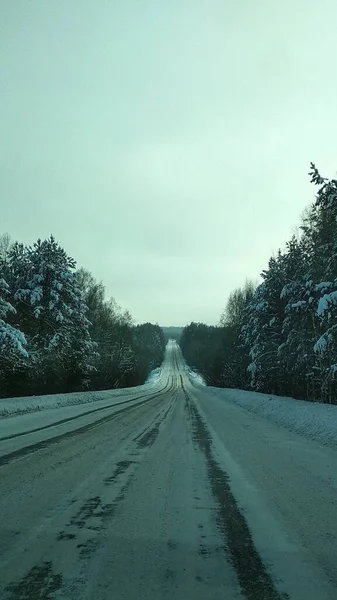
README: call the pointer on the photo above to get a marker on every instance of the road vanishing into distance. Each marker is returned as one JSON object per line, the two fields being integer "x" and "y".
{"x": 168, "y": 493}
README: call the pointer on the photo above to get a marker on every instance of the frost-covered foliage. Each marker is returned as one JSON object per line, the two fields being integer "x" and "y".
{"x": 5, "y": 306}
{"x": 57, "y": 332}
{"x": 48, "y": 296}
{"x": 303, "y": 350}
{"x": 48, "y": 308}
{"x": 12, "y": 340}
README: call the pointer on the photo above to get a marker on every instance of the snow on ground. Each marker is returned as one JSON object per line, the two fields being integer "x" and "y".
{"x": 11, "y": 407}
{"x": 194, "y": 376}
{"x": 154, "y": 376}
{"x": 313, "y": 420}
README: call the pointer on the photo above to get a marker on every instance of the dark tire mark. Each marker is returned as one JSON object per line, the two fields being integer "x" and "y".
{"x": 88, "y": 548}
{"x": 169, "y": 574}
{"x": 94, "y": 509}
{"x": 40, "y": 583}
{"x": 65, "y": 536}
{"x": 86, "y": 512}
{"x": 149, "y": 437}
{"x": 203, "y": 551}
{"x": 122, "y": 467}
{"x": 107, "y": 511}
{"x": 165, "y": 413}
{"x": 253, "y": 577}
{"x": 150, "y": 433}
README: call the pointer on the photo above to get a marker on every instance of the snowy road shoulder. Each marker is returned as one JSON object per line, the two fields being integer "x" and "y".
{"x": 313, "y": 420}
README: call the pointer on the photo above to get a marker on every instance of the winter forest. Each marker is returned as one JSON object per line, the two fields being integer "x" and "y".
{"x": 58, "y": 333}
{"x": 280, "y": 337}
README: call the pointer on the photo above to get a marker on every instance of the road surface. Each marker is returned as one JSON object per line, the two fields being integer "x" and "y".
{"x": 173, "y": 493}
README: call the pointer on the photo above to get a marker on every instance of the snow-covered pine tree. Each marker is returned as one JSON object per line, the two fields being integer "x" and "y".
{"x": 52, "y": 313}
{"x": 262, "y": 331}
{"x": 301, "y": 326}
{"x": 13, "y": 353}
{"x": 295, "y": 350}
{"x": 324, "y": 282}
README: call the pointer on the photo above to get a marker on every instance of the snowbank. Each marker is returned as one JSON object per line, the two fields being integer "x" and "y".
{"x": 313, "y": 420}
{"x": 10, "y": 407}
{"x": 195, "y": 377}
{"x": 154, "y": 376}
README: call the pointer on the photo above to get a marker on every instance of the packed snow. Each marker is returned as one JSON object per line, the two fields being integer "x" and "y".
{"x": 194, "y": 376}
{"x": 154, "y": 376}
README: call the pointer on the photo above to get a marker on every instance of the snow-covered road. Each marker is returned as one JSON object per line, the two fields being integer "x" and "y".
{"x": 166, "y": 491}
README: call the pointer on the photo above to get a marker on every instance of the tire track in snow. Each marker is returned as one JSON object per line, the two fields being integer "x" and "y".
{"x": 254, "y": 579}
{"x": 26, "y": 450}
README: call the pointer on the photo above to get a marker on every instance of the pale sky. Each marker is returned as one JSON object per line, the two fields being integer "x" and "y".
{"x": 165, "y": 144}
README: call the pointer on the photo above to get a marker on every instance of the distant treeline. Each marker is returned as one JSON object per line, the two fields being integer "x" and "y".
{"x": 58, "y": 333}
{"x": 280, "y": 337}
{"x": 172, "y": 333}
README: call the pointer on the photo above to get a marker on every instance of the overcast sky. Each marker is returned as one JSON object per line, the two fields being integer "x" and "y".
{"x": 165, "y": 144}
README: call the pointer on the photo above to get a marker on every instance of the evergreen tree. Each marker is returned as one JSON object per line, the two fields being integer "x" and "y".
{"x": 49, "y": 308}
{"x": 12, "y": 341}
{"x": 324, "y": 281}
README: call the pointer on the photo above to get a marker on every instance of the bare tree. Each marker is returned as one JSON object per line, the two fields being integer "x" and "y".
{"x": 237, "y": 301}
{"x": 6, "y": 244}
